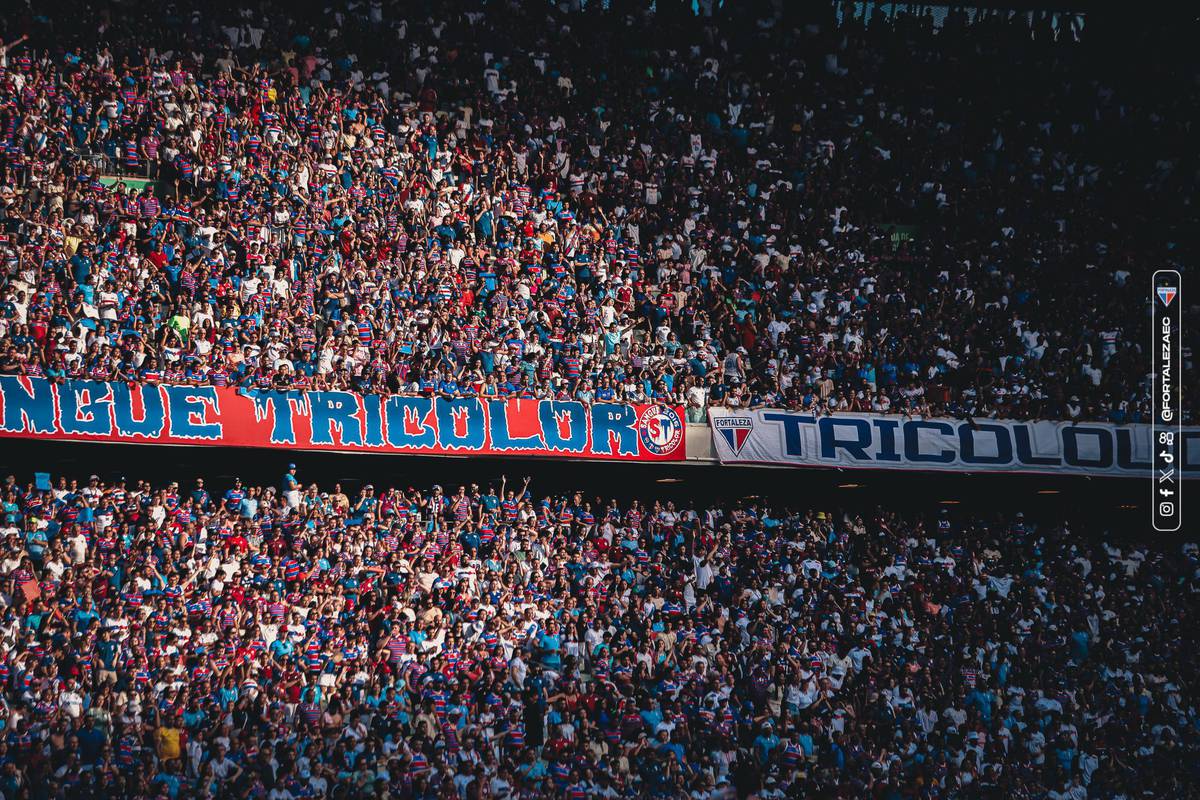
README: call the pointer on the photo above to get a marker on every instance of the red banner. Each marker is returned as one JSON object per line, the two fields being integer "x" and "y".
{"x": 338, "y": 421}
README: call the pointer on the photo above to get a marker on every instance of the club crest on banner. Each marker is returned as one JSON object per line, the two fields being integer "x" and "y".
{"x": 660, "y": 429}
{"x": 734, "y": 430}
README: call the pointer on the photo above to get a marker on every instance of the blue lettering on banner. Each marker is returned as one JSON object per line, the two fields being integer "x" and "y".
{"x": 855, "y": 447}
{"x": 373, "y": 419}
{"x": 502, "y": 439}
{"x": 887, "y": 439}
{"x": 614, "y": 424}
{"x": 866, "y": 440}
{"x": 335, "y": 411}
{"x": 406, "y": 422}
{"x": 278, "y": 406}
{"x": 792, "y": 442}
{"x": 554, "y": 415}
{"x": 28, "y": 410}
{"x": 153, "y": 415}
{"x": 183, "y": 414}
{"x": 1025, "y": 450}
{"x": 1125, "y": 452}
{"x": 912, "y": 442}
{"x": 1191, "y": 444}
{"x": 85, "y": 408}
{"x": 187, "y": 412}
{"x": 461, "y": 423}
{"x": 967, "y": 443}
{"x": 1104, "y": 445}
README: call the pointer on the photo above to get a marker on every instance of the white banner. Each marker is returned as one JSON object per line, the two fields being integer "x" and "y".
{"x": 769, "y": 436}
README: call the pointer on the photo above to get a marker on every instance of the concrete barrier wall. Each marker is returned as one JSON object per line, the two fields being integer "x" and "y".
{"x": 699, "y": 444}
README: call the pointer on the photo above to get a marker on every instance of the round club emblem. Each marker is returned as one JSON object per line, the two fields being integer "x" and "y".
{"x": 660, "y": 429}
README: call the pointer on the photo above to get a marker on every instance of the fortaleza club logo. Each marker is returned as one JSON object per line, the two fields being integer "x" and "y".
{"x": 660, "y": 429}
{"x": 735, "y": 431}
{"x": 1166, "y": 294}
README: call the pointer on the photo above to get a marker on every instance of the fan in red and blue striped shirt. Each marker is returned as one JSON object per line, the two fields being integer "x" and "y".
{"x": 127, "y": 746}
{"x": 419, "y": 765}
{"x": 515, "y": 735}
{"x": 560, "y": 773}
{"x": 366, "y": 332}
{"x": 131, "y": 153}
{"x": 310, "y": 710}
{"x": 291, "y": 569}
{"x": 314, "y": 657}
{"x": 397, "y": 647}
{"x": 199, "y": 608}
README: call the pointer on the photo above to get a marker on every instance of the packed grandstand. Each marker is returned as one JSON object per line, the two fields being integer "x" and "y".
{"x": 480, "y": 202}
{"x": 596, "y": 203}
{"x": 295, "y": 641}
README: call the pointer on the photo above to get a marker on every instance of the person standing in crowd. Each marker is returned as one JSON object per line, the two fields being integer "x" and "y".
{"x": 290, "y": 486}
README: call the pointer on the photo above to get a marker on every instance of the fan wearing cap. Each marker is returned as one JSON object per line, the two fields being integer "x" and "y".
{"x": 290, "y": 486}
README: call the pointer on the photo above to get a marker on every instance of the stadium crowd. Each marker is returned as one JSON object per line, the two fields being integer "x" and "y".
{"x": 168, "y": 641}
{"x": 518, "y": 199}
